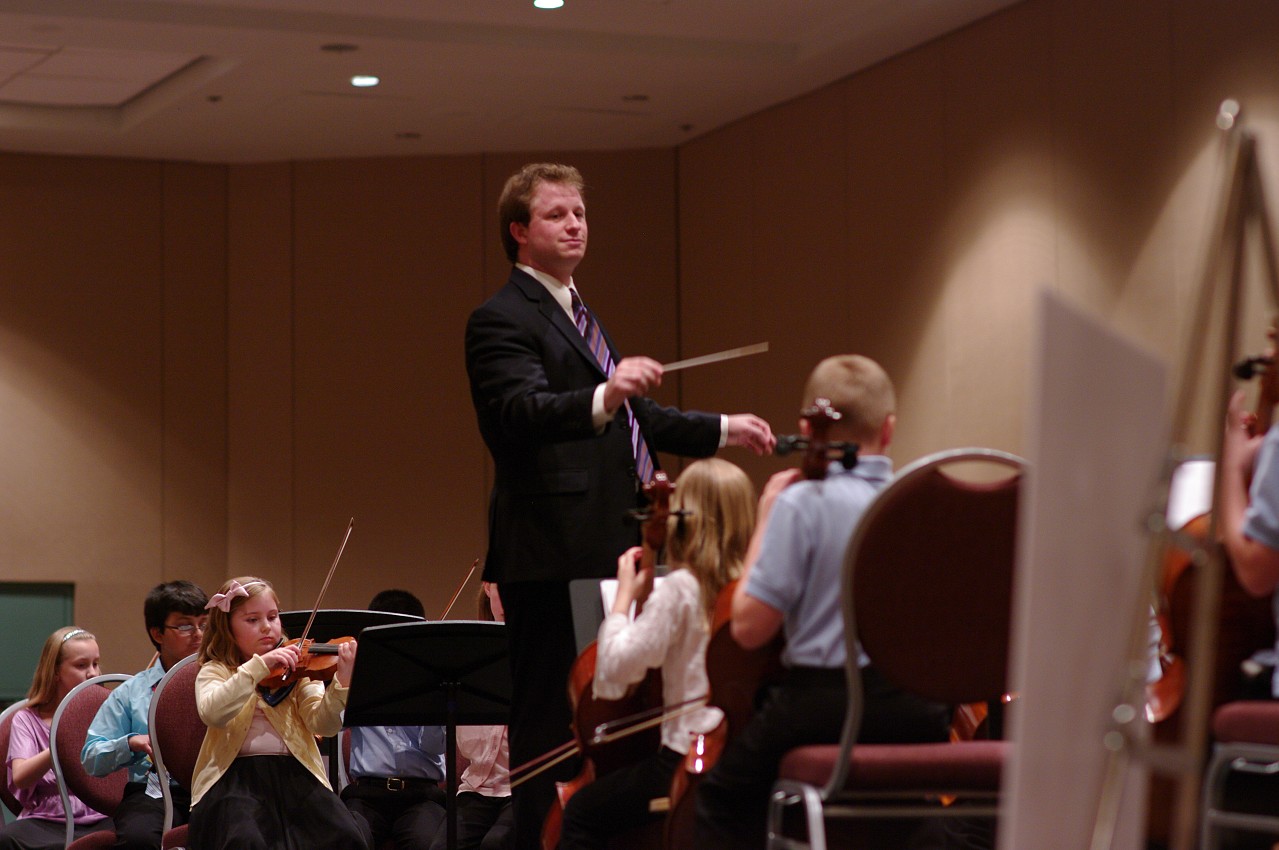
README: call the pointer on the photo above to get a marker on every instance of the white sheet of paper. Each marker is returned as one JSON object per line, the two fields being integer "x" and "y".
{"x": 1191, "y": 492}
{"x": 608, "y": 593}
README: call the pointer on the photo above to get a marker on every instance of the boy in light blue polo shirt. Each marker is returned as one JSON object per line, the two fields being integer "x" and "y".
{"x": 792, "y": 585}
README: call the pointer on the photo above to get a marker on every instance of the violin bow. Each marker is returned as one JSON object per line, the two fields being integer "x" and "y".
{"x": 311, "y": 620}
{"x": 605, "y": 733}
{"x": 458, "y": 592}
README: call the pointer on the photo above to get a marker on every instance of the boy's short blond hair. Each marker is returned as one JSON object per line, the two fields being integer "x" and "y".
{"x": 858, "y": 388}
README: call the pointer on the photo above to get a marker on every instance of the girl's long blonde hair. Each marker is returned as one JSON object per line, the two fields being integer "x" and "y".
{"x": 219, "y": 642}
{"x": 710, "y": 540}
{"x": 44, "y": 684}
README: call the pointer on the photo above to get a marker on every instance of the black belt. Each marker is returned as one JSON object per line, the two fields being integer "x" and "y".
{"x": 395, "y": 783}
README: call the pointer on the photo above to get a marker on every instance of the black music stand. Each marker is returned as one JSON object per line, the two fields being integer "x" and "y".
{"x": 339, "y": 622}
{"x": 447, "y": 673}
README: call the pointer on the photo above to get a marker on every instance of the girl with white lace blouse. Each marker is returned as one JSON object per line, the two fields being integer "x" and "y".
{"x": 712, "y": 516}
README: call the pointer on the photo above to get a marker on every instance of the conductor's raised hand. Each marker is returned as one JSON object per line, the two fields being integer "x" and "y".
{"x": 634, "y": 376}
{"x": 751, "y": 432}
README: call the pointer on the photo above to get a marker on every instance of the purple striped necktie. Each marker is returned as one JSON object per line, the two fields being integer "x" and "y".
{"x": 590, "y": 330}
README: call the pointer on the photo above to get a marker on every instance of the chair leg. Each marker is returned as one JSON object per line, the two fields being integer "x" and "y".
{"x": 785, "y": 794}
{"x": 1227, "y": 759}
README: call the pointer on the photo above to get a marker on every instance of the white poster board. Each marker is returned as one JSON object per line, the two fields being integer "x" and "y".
{"x": 1095, "y": 441}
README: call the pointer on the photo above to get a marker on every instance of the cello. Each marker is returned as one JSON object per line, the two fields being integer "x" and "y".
{"x": 736, "y": 674}
{"x": 589, "y": 712}
{"x": 1245, "y": 623}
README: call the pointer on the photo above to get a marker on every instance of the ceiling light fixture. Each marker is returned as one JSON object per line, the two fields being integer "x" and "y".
{"x": 548, "y": 4}
{"x": 364, "y": 81}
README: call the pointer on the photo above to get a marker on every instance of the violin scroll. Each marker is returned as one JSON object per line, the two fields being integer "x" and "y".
{"x": 818, "y": 448}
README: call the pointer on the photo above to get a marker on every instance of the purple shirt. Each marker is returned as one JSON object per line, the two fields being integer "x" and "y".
{"x": 30, "y": 736}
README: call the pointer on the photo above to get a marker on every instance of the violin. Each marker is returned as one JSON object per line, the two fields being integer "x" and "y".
{"x": 818, "y": 449}
{"x": 589, "y": 712}
{"x": 318, "y": 661}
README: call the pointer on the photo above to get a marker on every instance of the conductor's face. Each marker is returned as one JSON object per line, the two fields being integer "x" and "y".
{"x": 554, "y": 240}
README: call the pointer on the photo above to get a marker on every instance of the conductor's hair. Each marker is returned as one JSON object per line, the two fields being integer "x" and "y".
{"x": 398, "y": 602}
{"x": 858, "y": 388}
{"x": 517, "y": 195}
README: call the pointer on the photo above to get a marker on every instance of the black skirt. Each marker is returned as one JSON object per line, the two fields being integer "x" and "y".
{"x": 271, "y": 803}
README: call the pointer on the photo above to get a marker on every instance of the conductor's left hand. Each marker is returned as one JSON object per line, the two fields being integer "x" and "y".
{"x": 749, "y": 431}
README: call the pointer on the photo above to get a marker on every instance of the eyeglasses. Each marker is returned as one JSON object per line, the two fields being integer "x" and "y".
{"x": 186, "y": 629}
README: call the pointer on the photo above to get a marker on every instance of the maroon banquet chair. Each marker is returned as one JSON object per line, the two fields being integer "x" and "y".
{"x": 928, "y": 590}
{"x": 177, "y": 732}
{"x": 68, "y": 733}
{"x": 6, "y": 723}
{"x": 1246, "y": 735}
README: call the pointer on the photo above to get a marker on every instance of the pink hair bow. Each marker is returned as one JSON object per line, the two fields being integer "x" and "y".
{"x": 222, "y": 601}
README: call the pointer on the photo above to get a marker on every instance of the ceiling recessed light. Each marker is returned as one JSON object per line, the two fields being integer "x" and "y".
{"x": 364, "y": 81}
{"x": 548, "y": 4}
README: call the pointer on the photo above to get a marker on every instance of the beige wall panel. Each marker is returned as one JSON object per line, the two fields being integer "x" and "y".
{"x": 260, "y": 373}
{"x": 998, "y": 231}
{"x": 719, "y": 258}
{"x": 387, "y": 257}
{"x": 1115, "y": 164}
{"x": 764, "y": 257}
{"x": 80, "y": 386}
{"x": 195, "y": 373}
{"x": 898, "y": 199}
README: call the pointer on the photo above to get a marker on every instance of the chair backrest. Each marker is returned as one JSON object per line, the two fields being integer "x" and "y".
{"x": 928, "y": 578}
{"x": 177, "y": 732}
{"x": 70, "y": 728}
{"x": 6, "y": 724}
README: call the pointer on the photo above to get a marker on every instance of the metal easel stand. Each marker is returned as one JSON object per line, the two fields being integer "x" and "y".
{"x": 1242, "y": 209}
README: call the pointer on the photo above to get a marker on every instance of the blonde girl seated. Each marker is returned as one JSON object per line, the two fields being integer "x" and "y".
{"x": 259, "y": 781}
{"x": 69, "y": 657}
{"x": 705, "y": 547}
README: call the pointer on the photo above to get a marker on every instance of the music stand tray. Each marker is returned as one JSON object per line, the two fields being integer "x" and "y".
{"x": 448, "y": 673}
{"x": 339, "y": 622}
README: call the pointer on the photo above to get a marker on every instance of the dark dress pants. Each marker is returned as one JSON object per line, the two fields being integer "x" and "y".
{"x": 807, "y": 708}
{"x": 139, "y": 819}
{"x": 539, "y": 624}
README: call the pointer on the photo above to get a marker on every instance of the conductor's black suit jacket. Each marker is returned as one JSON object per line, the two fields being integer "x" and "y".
{"x": 561, "y": 492}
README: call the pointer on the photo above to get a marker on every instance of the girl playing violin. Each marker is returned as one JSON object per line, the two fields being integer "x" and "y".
{"x": 259, "y": 781}
{"x": 712, "y": 516}
{"x": 69, "y": 657}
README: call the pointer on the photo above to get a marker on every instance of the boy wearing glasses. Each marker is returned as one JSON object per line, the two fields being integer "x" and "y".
{"x": 175, "y": 619}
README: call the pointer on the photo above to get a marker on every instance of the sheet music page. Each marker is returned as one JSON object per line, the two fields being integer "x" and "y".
{"x": 608, "y": 593}
{"x": 1191, "y": 492}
